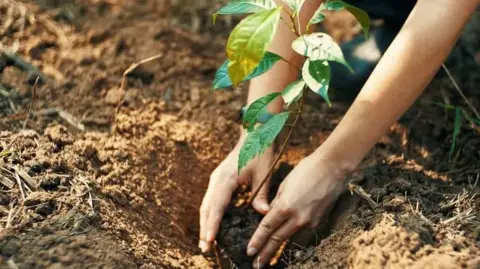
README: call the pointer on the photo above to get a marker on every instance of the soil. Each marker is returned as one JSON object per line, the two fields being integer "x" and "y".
{"x": 85, "y": 187}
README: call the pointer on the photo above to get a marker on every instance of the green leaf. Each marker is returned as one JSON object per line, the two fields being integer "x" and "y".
{"x": 244, "y": 6}
{"x": 261, "y": 138}
{"x": 295, "y": 5}
{"x": 446, "y": 106}
{"x": 248, "y": 43}
{"x": 317, "y": 76}
{"x": 456, "y": 131}
{"x": 320, "y": 46}
{"x": 337, "y": 5}
{"x": 256, "y": 109}
{"x": 293, "y": 92}
{"x": 222, "y": 79}
{"x": 317, "y": 17}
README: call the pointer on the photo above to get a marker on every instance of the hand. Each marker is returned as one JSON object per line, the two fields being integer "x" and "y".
{"x": 223, "y": 182}
{"x": 301, "y": 201}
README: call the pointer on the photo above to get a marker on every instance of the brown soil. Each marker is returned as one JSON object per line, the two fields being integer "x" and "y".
{"x": 82, "y": 187}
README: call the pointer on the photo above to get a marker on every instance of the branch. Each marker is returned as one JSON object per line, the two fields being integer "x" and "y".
{"x": 284, "y": 146}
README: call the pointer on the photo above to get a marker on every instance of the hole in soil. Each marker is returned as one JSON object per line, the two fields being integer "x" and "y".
{"x": 238, "y": 226}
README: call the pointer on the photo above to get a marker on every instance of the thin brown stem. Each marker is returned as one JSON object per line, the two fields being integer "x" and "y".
{"x": 280, "y": 153}
{"x": 292, "y": 64}
{"x": 124, "y": 81}
{"x": 32, "y": 104}
{"x": 460, "y": 91}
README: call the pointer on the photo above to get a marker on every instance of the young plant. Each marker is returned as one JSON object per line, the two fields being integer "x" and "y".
{"x": 248, "y": 57}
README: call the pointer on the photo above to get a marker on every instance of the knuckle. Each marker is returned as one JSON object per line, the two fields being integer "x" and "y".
{"x": 266, "y": 226}
{"x": 277, "y": 240}
{"x": 302, "y": 223}
{"x": 286, "y": 211}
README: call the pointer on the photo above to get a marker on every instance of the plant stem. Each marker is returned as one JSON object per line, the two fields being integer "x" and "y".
{"x": 280, "y": 153}
{"x": 292, "y": 64}
{"x": 460, "y": 91}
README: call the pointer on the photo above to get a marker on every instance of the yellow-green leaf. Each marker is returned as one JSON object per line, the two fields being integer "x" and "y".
{"x": 249, "y": 41}
{"x": 222, "y": 79}
{"x": 320, "y": 46}
{"x": 245, "y": 6}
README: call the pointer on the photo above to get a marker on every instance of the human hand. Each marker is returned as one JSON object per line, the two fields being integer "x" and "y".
{"x": 301, "y": 201}
{"x": 223, "y": 182}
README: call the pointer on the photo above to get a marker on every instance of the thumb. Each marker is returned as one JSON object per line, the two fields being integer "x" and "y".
{"x": 260, "y": 202}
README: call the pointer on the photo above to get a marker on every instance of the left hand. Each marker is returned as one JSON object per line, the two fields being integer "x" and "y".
{"x": 301, "y": 201}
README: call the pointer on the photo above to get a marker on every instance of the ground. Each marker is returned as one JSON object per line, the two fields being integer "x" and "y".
{"x": 95, "y": 177}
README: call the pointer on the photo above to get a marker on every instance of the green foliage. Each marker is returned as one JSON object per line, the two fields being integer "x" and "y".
{"x": 248, "y": 58}
{"x": 320, "y": 46}
{"x": 317, "y": 76}
{"x": 256, "y": 109}
{"x": 337, "y": 5}
{"x": 293, "y": 92}
{"x": 245, "y": 6}
{"x": 248, "y": 43}
{"x": 295, "y": 5}
{"x": 456, "y": 130}
{"x": 261, "y": 138}
{"x": 222, "y": 79}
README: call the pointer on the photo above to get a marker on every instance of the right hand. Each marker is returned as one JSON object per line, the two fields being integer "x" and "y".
{"x": 223, "y": 182}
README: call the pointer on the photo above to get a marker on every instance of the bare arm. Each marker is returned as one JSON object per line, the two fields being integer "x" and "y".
{"x": 283, "y": 73}
{"x": 407, "y": 67}
{"x": 404, "y": 71}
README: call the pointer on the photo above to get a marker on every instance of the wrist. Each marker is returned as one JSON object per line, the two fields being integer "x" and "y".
{"x": 341, "y": 166}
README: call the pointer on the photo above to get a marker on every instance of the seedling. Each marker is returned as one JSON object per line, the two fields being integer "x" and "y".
{"x": 248, "y": 58}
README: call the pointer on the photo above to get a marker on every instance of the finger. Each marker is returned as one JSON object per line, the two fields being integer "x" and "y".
{"x": 269, "y": 224}
{"x": 223, "y": 195}
{"x": 202, "y": 244}
{"x": 260, "y": 203}
{"x": 274, "y": 242}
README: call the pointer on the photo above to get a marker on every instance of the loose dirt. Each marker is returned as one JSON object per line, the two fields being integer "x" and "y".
{"x": 82, "y": 187}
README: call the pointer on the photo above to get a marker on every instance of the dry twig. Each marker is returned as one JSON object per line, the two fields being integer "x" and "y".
{"x": 32, "y": 104}
{"x": 358, "y": 190}
{"x": 460, "y": 91}
{"x": 124, "y": 79}
{"x": 69, "y": 118}
{"x": 19, "y": 182}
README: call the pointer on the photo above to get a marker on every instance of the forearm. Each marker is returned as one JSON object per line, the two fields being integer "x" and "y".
{"x": 404, "y": 71}
{"x": 283, "y": 73}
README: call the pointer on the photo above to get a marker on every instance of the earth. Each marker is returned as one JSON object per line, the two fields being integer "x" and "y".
{"x": 98, "y": 175}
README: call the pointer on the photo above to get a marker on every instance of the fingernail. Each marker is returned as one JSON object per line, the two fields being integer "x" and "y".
{"x": 203, "y": 246}
{"x": 252, "y": 251}
{"x": 265, "y": 207}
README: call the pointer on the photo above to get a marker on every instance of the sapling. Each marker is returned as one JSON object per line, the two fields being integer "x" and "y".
{"x": 248, "y": 58}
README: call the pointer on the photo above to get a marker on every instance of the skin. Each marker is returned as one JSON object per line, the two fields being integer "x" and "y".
{"x": 402, "y": 74}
